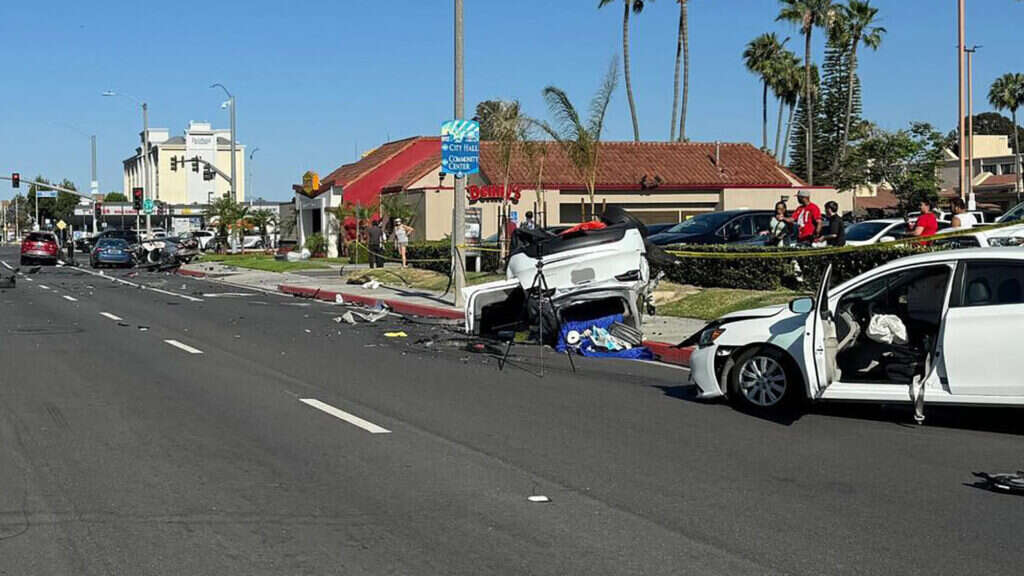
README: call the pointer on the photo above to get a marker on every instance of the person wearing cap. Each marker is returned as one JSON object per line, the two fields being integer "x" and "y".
{"x": 807, "y": 218}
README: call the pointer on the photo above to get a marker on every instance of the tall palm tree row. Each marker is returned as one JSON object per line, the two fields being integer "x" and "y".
{"x": 855, "y": 25}
{"x": 808, "y": 15}
{"x": 683, "y": 53}
{"x": 636, "y": 6}
{"x": 762, "y": 57}
{"x": 1007, "y": 93}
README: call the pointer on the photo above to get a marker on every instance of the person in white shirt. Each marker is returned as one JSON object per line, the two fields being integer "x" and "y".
{"x": 962, "y": 219}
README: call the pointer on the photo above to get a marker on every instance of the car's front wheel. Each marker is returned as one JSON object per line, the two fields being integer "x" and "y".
{"x": 763, "y": 381}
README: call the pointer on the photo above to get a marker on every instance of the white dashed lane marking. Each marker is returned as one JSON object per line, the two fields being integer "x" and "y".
{"x": 70, "y": 298}
{"x": 341, "y": 414}
{"x": 184, "y": 347}
{"x": 110, "y": 316}
{"x": 44, "y": 286}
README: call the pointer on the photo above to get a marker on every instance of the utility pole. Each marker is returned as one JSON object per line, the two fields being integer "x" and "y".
{"x": 231, "y": 102}
{"x": 459, "y": 218}
{"x": 94, "y": 184}
{"x": 145, "y": 166}
{"x": 960, "y": 87}
{"x": 971, "y": 201}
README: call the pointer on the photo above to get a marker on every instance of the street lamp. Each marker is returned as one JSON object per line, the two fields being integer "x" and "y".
{"x": 145, "y": 154}
{"x": 231, "y": 102}
{"x": 249, "y": 180}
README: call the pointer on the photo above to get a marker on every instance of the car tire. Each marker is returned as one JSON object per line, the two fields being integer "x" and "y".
{"x": 763, "y": 381}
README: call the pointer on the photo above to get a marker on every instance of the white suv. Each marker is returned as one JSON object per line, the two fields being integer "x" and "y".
{"x": 945, "y": 325}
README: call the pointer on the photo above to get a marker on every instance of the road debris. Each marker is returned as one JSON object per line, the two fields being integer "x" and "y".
{"x": 399, "y": 334}
{"x": 143, "y": 328}
{"x": 539, "y": 498}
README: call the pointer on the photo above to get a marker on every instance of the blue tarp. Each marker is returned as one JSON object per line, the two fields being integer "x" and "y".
{"x": 587, "y": 348}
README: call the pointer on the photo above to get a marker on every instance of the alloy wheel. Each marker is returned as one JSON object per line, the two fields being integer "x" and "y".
{"x": 762, "y": 380}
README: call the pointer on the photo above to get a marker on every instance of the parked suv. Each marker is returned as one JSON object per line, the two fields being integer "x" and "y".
{"x": 716, "y": 228}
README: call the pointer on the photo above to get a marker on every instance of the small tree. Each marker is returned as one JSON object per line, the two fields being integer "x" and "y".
{"x": 261, "y": 219}
{"x": 907, "y": 161}
{"x": 581, "y": 140}
{"x": 115, "y": 197}
{"x": 230, "y": 216}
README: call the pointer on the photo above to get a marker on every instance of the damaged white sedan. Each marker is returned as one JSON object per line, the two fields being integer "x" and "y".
{"x": 574, "y": 276}
{"x": 943, "y": 326}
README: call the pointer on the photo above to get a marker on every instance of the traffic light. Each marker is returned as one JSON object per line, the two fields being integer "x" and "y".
{"x": 97, "y": 209}
{"x": 174, "y": 163}
{"x": 207, "y": 173}
{"x": 137, "y": 198}
{"x": 15, "y": 180}
{"x": 195, "y": 164}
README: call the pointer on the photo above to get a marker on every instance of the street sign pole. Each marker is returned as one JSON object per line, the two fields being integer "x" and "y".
{"x": 459, "y": 218}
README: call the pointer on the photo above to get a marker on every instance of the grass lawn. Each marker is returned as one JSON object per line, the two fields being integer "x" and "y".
{"x": 421, "y": 279}
{"x": 262, "y": 262}
{"x": 710, "y": 303}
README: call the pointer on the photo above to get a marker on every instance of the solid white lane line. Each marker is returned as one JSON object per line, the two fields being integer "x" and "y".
{"x": 70, "y": 298}
{"x": 350, "y": 418}
{"x": 227, "y": 294}
{"x": 44, "y": 286}
{"x": 184, "y": 347}
{"x": 6, "y": 265}
{"x": 189, "y": 298}
{"x": 111, "y": 316}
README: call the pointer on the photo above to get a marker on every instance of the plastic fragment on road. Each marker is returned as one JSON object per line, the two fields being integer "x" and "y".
{"x": 398, "y": 334}
{"x": 308, "y": 331}
{"x": 539, "y": 499}
{"x": 143, "y": 328}
{"x": 371, "y": 285}
{"x": 1003, "y": 482}
{"x": 339, "y": 299}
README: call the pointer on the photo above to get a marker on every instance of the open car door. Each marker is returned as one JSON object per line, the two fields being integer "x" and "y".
{"x": 821, "y": 370}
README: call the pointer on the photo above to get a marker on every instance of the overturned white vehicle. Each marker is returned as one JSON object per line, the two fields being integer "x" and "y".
{"x": 570, "y": 277}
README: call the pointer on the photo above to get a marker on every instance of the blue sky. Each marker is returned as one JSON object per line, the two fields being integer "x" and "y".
{"x": 319, "y": 81}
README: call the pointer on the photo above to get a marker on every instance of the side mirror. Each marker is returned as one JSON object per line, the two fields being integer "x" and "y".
{"x": 801, "y": 305}
{"x": 887, "y": 239}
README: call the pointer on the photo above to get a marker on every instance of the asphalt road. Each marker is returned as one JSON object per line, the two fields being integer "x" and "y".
{"x": 165, "y": 425}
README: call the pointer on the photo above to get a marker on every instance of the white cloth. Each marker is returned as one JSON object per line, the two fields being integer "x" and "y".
{"x": 401, "y": 236}
{"x": 967, "y": 220}
{"x": 887, "y": 329}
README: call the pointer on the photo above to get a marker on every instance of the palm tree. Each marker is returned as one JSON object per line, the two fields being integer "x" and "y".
{"x": 229, "y": 215}
{"x": 581, "y": 140}
{"x": 1007, "y": 93}
{"x": 789, "y": 82}
{"x": 761, "y": 58}
{"x": 682, "y": 51}
{"x": 855, "y": 24}
{"x": 493, "y": 116}
{"x": 637, "y": 6}
{"x": 808, "y": 14}
{"x": 261, "y": 219}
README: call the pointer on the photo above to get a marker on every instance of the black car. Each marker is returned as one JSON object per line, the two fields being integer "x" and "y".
{"x": 716, "y": 228}
{"x": 653, "y": 229}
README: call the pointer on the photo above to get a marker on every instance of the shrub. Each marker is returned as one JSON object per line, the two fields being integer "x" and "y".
{"x": 434, "y": 255}
{"x": 760, "y": 268}
{"x": 316, "y": 244}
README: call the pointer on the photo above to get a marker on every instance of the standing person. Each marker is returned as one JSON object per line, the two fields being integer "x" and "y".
{"x": 835, "y": 230}
{"x": 529, "y": 223}
{"x": 375, "y": 244}
{"x": 962, "y": 219}
{"x": 807, "y": 218}
{"x": 778, "y": 228}
{"x": 402, "y": 233}
{"x": 927, "y": 224}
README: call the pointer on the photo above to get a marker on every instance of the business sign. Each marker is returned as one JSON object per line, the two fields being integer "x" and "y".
{"x": 494, "y": 193}
{"x": 310, "y": 183}
{"x": 460, "y": 147}
{"x": 46, "y": 193}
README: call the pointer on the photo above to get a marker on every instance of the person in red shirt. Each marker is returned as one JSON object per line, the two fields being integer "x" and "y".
{"x": 927, "y": 224}
{"x": 807, "y": 218}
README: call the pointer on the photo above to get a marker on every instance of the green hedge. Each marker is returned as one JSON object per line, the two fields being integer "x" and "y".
{"x": 761, "y": 268}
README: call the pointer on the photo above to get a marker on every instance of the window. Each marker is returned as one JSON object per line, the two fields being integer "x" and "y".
{"x": 991, "y": 168}
{"x": 993, "y": 283}
{"x": 1007, "y": 168}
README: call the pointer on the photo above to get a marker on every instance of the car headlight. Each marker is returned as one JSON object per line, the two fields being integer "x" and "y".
{"x": 1006, "y": 241}
{"x": 709, "y": 335}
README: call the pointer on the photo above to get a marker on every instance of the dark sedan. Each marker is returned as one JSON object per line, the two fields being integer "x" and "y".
{"x": 716, "y": 228}
{"x": 111, "y": 252}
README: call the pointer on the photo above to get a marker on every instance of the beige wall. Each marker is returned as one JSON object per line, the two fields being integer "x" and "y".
{"x": 171, "y": 185}
{"x": 765, "y": 199}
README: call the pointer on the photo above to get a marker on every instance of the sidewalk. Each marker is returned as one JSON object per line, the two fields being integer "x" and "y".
{"x": 662, "y": 333}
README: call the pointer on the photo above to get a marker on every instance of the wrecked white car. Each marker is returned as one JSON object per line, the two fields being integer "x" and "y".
{"x": 587, "y": 273}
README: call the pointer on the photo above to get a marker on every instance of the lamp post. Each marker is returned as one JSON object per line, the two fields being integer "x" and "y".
{"x": 145, "y": 155}
{"x": 231, "y": 103}
{"x": 249, "y": 180}
{"x": 971, "y": 201}
{"x": 960, "y": 88}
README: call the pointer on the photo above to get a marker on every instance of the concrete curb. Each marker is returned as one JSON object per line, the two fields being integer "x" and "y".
{"x": 400, "y": 306}
{"x": 663, "y": 351}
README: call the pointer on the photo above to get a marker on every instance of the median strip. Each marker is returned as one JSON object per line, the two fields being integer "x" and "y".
{"x": 184, "y": 347}
{"x": 342, "y": 415}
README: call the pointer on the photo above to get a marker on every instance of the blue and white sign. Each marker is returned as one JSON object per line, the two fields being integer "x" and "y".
{"x": 460, "y": 147}
{"x": 46, "y": 193}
